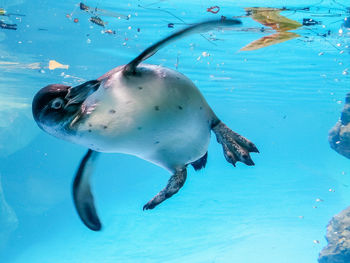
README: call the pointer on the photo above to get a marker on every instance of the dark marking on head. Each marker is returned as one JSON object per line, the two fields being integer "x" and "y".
{"x": 112, "y": 111}
{"x": 180, "y": 108}
{"x": 156, "y": 108}
{"x": 140, "y": 88}
{"x": 139, "y": 128}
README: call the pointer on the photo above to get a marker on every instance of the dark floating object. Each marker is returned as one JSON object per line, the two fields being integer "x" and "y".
{"x": 339, "y": 135}
{"x": 98, "y": 21}
{"x": 338, "y": 235}
{"x": 310, "y": 22}
{"x": 8, "y": 26}
{"x": 171, "y": 25}
{"x": 84, "y": 7}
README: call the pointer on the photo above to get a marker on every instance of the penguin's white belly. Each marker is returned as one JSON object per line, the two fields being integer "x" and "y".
{"x": 158, "y": 115}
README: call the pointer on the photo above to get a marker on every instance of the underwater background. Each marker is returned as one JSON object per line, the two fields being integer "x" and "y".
{"x": 284, "y": 95}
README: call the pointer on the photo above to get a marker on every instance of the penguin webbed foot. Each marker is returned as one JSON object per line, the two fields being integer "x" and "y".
{"x": 175, "y": 182}
{"x": 236, "y": 148}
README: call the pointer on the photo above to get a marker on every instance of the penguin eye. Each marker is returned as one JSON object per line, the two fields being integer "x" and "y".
{"x": 57, "y": 103}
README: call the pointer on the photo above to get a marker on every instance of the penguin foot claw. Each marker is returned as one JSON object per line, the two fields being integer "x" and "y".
{"x": 236, "y": 148}
{"x": 149, "y": 205}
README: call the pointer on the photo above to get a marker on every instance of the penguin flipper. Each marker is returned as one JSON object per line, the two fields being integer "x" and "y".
{"x": 82, "y": 195}
{"x": 196, "y": 28}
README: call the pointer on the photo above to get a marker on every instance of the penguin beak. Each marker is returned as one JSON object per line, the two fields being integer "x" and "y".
{"x": 78, "y": 94}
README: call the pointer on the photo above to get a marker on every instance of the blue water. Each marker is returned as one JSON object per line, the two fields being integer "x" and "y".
{"x": 284, "y": 97}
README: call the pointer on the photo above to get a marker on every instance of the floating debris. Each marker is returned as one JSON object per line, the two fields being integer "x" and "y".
{"x": 53, "y": 64}
{"x": 98, "y": 21}
{"x": 109, "y": 31}
{"x": 219, "y": 78}
{"x": 319, "y": 200}
{"x": 270, "y": 40}
{"x": 316, "y": 241}
{"x": 36, "y": 65}
{"x": 84, "y": 7}
{"x": 310, "y": 22}
{"x": 171, "y": 25}
{"x": 3, "y": 12}
{"x": 76, "y": 20}
{"x": 101, "y": 12}
{"x": 271, "y": 17}
{"x": 8, "y": 26}
{"x": 72, "y": 77}
{"x": 17, "y": 65}
{"x": 213, "y": 9}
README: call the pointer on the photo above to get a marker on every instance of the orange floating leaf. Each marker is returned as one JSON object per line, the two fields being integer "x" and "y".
{"x": 270, "y": 40}
{"x": 53, "y": 64}
{"x": 271, "y": 17}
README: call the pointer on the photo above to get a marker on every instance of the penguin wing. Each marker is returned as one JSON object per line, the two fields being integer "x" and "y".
{"x": 82, "y": 195}
{"x": 196, "y": 28}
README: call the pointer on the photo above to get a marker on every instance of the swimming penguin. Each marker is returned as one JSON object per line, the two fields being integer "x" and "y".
{"x": 149, "y": 111}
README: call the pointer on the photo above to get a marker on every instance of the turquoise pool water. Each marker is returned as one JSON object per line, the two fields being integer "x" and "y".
{"x": 284, "y": 97}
